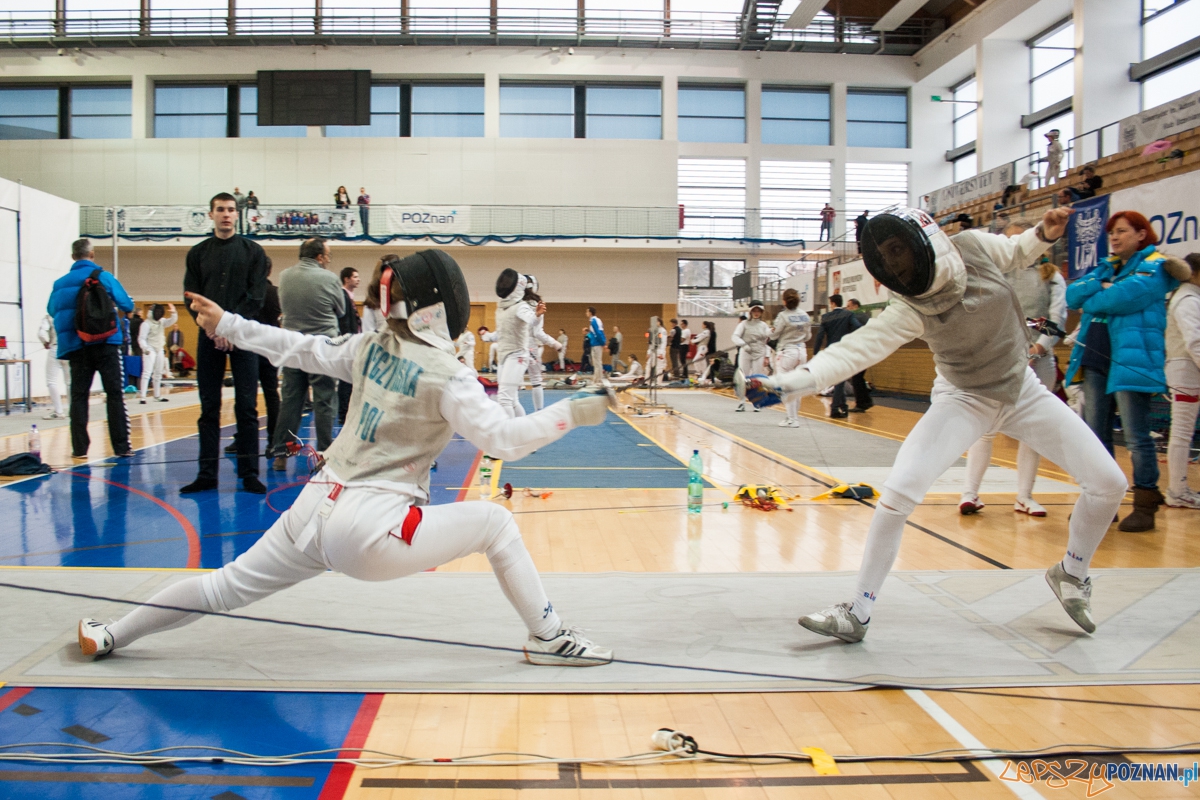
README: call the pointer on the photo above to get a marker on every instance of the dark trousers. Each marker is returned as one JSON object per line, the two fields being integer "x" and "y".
{"x": 295, "y": 389}
{"x": 344, "y": 390}
{"x": 85, "y": 363}
{"x": 862, "y": 392}
{"x": 210, "y": 377}
{"x": 364, "y": 216}
{"x": 268, "y": 378}
{"x": 681, "y": 357}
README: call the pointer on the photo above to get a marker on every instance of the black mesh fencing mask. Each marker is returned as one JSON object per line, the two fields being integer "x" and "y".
{"x": 431, "y": 277}
{"x": 897, "y": 251}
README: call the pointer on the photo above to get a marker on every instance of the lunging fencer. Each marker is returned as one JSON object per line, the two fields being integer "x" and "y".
{"x": 516, "y": 316}
{"x": 952, "y": 293}
{"x": 365, "y": 511}
{"x": 750, "y": 337}
{"x": 791, "y": 330}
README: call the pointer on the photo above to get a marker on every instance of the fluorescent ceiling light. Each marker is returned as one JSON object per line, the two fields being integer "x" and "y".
{"x": 804, "y": 14}
{"x": 898, "y": 15}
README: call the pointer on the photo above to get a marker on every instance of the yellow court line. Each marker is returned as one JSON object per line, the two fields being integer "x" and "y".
{"x": 711, "y": 479}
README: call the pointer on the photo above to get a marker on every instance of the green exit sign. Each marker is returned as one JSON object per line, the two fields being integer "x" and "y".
{"x": 937, "y": 98}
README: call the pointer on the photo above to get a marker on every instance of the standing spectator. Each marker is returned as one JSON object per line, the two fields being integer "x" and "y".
{"x": 836, "y": 323}
{"x": 152, "y": 340}
{"x": 341, "y": 198}
{"x": 58, "y": 369}
{"x": 614, "y": 348}
{"x": 1054, "y": 156}
{"x": 251, "y": 212}
{"x": 562, "y": 339}
{"x": 88, "y": 358}
{"x": 313, "y": 301}
{"x": 135, "y": 332}
{"x": 1183, "y": 378}
{"x": 860, "y": 222}
{"x": 596, "y": 341}
{"x": 585, "y": 363}
{"x": 827, "y": 215}
{"x": 350, "y": 323}
{"x": 240, "y": 199}
{"x": 1091, "y": 183}
{"x": 364, "y": 210}
{"x": 232, "y": 272}
{"x": 862, "y": 392}
{"x": 673, "y": 337}
{"x": 685, "y": 344}
{"x": 1122, "y": 350}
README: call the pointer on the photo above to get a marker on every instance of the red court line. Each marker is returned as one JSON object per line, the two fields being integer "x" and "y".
{"x": 193, "y": 538}
{"x": 13, "y": 695}
{"x": 339, "y": 777}
{"x": 462, "y": 493}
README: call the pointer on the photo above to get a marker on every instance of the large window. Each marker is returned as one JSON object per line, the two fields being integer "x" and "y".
{"x": 965, "y": 119}
{"x": 592, "y": 111}
{"x": 1171, "y": 84}
{"x": 385, "y": 115}
{"x": 624, "y": 112}
{"x": 446, "y": 110}
{"x": 101, "y": 112}
{"x": 793, "y": 194}
{"x": 200, "y": 112}
{"x": 712, "y": 192}
{"x": 537, "y": 112}
{"x": 28, "y": 113}
{"x": 1166, "y": 24}
{"x": 248, "y": 127}
{"x": 874, "y": 187}
{"x": 876, "y": 118}
{"x": 712, "y": 114}
{"x": 1051, "y": 65}
{"x": 706, "y": 274}
{"x": 795, "y": 116}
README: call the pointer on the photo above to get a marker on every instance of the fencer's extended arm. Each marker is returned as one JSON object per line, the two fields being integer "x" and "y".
{"x": 144, "y": 335}
{"x": 283, "y": 348}
{"x": 898, "y": 325}
{"x": 738, "y": 341}
{"x": 1010, "y": 253}
{"x": 171, "y": 320}
{"x": 1058, "y": 309}
{"x": 485, "y": 424}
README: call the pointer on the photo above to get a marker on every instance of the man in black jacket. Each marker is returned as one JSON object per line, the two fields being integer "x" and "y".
{"x": 835, "y": 324}
{"x": 232, "y": 272}
{"x": 862, "y": 392}
{"x": 268, "y": 373}
{"x": 349, "y": 322}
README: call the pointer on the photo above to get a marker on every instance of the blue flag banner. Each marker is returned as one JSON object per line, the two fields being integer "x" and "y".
{"x": 1087, "y": 241}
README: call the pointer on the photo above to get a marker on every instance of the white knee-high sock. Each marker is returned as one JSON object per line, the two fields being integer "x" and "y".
{"x": 539, "y": 398}
{"x": 144, "y": 620}
{"x": 1090, "y": 519}
{"x": 883, "y": 545}
{"x": 521, "y": 584}
{"x": 793, "y": 408}
{"x": 978, "y": 459}
{"x": 1027, "y": 467}
{"x": 1179, "y": 446}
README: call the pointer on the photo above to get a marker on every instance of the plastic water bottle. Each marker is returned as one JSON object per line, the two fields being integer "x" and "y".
{"x": 695, "y": 484}
{"x": 35, "y": 442}
{"x": 485, "y": 479}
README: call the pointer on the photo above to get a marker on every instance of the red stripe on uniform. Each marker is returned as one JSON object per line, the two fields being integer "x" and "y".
{"x": 339, "y": 777}
{"x": 1188, "y": 398}
{"x": 13, "y": 695}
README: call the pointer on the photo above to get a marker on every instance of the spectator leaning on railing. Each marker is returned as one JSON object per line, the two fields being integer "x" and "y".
{"x": 1120, "y": 346}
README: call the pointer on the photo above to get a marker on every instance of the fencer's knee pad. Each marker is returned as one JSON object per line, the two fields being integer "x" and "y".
{"x": 891, "y": 499}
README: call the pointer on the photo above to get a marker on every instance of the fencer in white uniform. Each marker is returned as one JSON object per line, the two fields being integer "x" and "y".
{"x": 365, "y": 512}
{"x": 750, "y": 337}
{"x": 464, "y": 347}
{"x": 701, "y": 340}
{"x": 1042, "y": 292}
{"x": 952, "y": 293}
{"x": 656, "y": 351}
{"x": 792, "y": 328}
{"x": 152, "y": 338}
{"x": 538, "y": 339}
{"x": 58, "y": 370}
{"x": 516, "y": 317}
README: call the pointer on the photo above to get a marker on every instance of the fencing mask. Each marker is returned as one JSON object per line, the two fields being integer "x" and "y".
{"x": 511, "y": 286}
{"x": 898, "y": 253}
{"x": 436, "y": 302}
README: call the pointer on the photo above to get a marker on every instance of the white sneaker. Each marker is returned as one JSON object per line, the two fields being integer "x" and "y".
{"x": 741, "y": 407}
{"x": 570, "y": 648}
{"x": 1031, "y": 507}
{"x": 1074, "y": 594}
{"x": 969, "y": 504}
{"x": 790, "y": 423}
{"x": 54, "y": 415}
{"x": 1185, "y": 499}
{"x": 94, "y": 638}
{"x": 837, "y": 621}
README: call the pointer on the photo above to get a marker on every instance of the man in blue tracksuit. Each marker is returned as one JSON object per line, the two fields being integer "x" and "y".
{"x": 596, "y": 341}
{"x": 88, "y": 359}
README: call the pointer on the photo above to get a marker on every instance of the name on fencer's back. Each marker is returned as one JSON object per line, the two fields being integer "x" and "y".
{"x": 393, "y": 373}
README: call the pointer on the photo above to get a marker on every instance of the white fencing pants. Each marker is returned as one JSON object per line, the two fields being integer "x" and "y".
{"x": 534, "y": 371}
{"x": 955, "y": 420}
{"x": 58, "y": 379}
{"x": 1183, "y": 376}
{"x": 361, "y": 538}
{"x": 786, "y": 360}
{"x": 980, "y": 454}
{"x": 154, "y": 363}
{"x": 508, "y": 380}
{"x": 752, "y": 362}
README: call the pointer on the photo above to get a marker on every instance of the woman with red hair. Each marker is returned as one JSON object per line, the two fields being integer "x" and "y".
{"x": 1121, "y": 347}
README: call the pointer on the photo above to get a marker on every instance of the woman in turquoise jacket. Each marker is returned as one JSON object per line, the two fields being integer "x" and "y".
{"x": 1121, "y": 348}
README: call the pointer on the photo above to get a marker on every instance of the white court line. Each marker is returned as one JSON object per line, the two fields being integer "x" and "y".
{"x": 964, "y": 737}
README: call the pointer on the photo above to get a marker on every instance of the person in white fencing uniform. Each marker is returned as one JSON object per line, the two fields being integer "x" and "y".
{"x": 365, "y": 511}
{"x": 1042, "y": 292}
{"x": 152, "y": 338}
{"x": 562, "y": 349}
{"x": 58, "y": 370}
{"x": 750, "y": 337}
{"x": 491, "y": 339}
{"x": 464, "y": 348}
{"x": 515, "y": 320}
{"x": 538, "y": 338}
{"x": 634, "y": 373}
{"x": 792, "y": 328}
{"x": 1183, "y": 380}
{"x": 656, "y": 351}
{"x": 952, "y": 293}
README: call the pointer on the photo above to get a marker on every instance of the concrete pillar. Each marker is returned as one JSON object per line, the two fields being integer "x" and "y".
{"x": 1002, "y": 78}
{"x": 1108, "y": 40}
{"x": 670, "y": 108}
{"x": 491, "y": 105}
{"x": 143, "y": 107}
{"x": 754, "y": 155}
{"x": 837, "y": 172}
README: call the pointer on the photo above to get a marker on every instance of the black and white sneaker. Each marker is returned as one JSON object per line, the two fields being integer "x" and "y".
{"x": 94, "y": 638}
{"x": 570, "y": 648}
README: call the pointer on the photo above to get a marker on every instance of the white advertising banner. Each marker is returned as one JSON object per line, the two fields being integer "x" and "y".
{"x": 994, "y": 180}
{"x": 185, "y": 220}
{"x": 428, "y": 219}
{"x": 1173, "y": 207}
{"x": 803, "y": 282}
{"x": 853, "y": 282}
{"x": 320, "y": 221}
{"x": 1160, "y": 121}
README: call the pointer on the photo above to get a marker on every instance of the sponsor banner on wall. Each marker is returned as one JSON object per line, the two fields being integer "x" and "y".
{"x": 853, "y": 282}
{"x": 1173, "y": 207}
{"x": 990, "y": 182}
{"x": 1087, "y": 241}
{"x": 804, "y": 283}
{"x": 1161, "y": 121}
{"x": 428, "y": 219}
{"x": 189, "y": 221}
{"x": 293, "y": 221}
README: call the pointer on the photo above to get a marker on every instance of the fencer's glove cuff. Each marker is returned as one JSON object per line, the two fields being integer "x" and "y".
{"x": 588, "y": 407}
{"x": 1041, "y": 234}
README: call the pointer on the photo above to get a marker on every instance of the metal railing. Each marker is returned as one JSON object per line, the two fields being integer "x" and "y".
{"x": 634, "y": 27}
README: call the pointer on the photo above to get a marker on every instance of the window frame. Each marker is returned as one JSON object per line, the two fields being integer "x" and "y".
{"x": 232, "y": 106}
{"x": 1032, "y": 44}
{"x": 827, "y": 91}
{"x": 61, "y": 108}
{"x": 702, "y": 86}
{"x": 867, "y": 90}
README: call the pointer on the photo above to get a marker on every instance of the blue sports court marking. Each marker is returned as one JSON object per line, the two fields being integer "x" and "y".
{"x": 264, "y": 723}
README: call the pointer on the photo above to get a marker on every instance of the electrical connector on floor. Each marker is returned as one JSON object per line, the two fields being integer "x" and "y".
{"x": 669, "y": 740}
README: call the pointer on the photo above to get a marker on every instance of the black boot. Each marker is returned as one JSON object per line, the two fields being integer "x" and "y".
{"x": 1145, "y": 504}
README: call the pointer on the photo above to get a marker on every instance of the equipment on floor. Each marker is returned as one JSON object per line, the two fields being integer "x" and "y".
{"x": 849, "y": 491}
{"x": 763, "y": 497}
